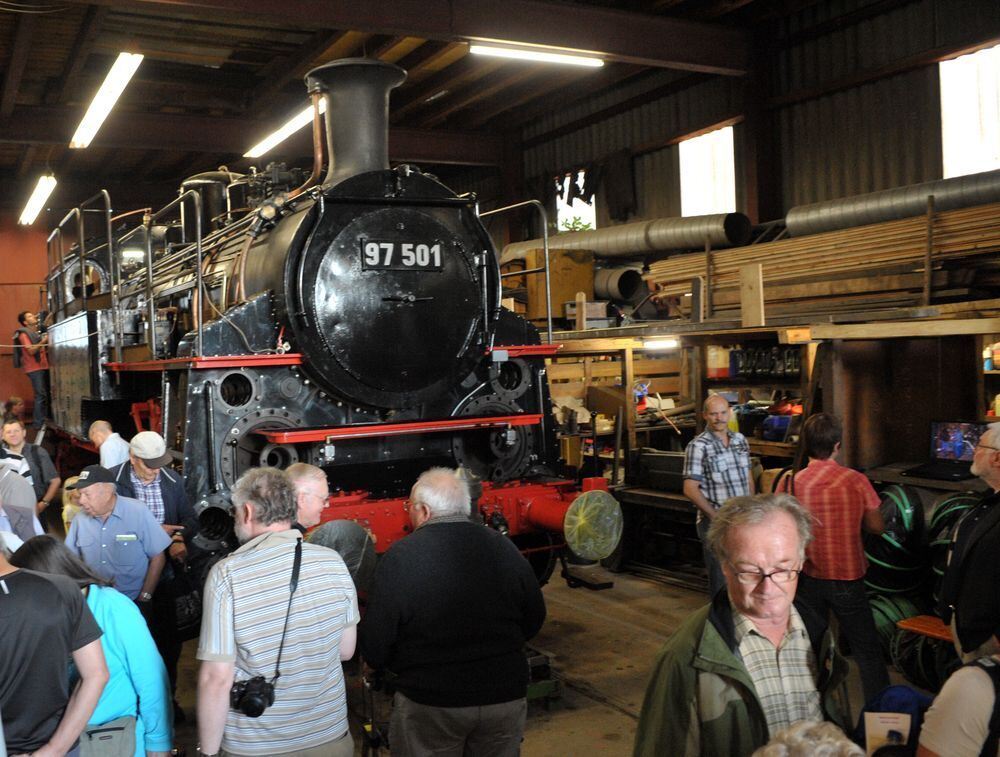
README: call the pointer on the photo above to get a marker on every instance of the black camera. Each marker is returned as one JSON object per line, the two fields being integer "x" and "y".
{"x": 252, "y": 697}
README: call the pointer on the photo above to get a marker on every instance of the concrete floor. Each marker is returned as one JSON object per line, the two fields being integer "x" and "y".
{"x": 602, "y": 644}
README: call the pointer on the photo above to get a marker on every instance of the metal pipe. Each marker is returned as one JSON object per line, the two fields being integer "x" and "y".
{"x": 641, "y": 237}
{"x": 545, "y": 251}
{"x": 617, "y": 284}
{"x": 317, "y": 134}
{"x": 356, "y": 91}
{"x": 892, "y": 204}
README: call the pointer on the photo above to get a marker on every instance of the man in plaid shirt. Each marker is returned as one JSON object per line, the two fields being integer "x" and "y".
{"x": 716, "y": 468}
{"x": 842, "y": 501}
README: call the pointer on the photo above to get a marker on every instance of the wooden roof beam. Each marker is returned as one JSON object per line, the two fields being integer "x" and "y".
{"x": 645, "y": 39}
{"x": 231, "y": 136}
{"x": 484, "y": 90}
{"x": 18, "y": 60}
{"x": 93, "y": 19}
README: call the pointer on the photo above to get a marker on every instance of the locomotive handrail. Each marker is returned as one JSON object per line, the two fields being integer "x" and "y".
{"x": 545, "y": 251}
{"x": 370, "y": 430}
{"x": 57, "y": 273}
{"x": 150, "y": 302}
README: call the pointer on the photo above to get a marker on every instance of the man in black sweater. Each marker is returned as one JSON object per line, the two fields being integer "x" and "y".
{"x": 448, "y": 615}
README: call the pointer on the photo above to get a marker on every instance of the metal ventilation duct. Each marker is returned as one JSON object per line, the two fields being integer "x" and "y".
{"x": 891, "y": 204}
{"x": 721, "y": 230}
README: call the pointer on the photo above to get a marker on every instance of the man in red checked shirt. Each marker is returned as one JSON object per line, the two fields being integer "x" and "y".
{"x": 842, "y": 501}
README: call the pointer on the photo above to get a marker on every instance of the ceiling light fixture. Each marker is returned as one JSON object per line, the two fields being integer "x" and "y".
{"x": 666, "y": 343}
{"x": 37, "y": 200}
{"x": 114, "y": 84}
{"x": 536, "y": 55}
{"x": 292, "y": 125}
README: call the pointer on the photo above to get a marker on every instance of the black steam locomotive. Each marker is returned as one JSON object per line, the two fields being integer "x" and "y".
{"x": 352, "y": 322}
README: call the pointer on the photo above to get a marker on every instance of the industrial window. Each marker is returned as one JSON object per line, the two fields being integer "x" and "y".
{"x": 573, "y": 212}
{"x": 708, "y": 173}
{"x": 970, "y": 113}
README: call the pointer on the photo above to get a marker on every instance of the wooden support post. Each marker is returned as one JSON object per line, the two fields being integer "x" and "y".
{"x": 928, "y": 253}
{"x": 752, "y": 295}
{"x": 628, "y": 378}
{"x": 697, "y": 299}
{"x": 708, "y": 277}
{"x": 581, "y": 311}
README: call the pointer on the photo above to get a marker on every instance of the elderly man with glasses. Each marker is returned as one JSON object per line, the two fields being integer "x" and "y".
{"x": 969, "y": 600}
{"x": 753, "y": 661}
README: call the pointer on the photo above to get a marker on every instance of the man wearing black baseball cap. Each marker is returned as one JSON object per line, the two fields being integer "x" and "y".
{"x": 117, "y": 536}
{"x": 147, "y": 477}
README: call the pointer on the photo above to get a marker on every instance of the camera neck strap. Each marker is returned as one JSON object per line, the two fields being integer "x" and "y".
{"x": 292, "y": 585}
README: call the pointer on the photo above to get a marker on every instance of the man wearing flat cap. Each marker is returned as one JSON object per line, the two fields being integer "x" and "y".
{"x": 117, "y": 536}
{"x": 147, "y": 477}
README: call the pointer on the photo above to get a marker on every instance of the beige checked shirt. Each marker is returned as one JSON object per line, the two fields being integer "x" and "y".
{"x": 785, "y": 678}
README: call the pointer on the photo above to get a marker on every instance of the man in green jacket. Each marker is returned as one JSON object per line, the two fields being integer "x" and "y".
{"x": 751, "y": 662}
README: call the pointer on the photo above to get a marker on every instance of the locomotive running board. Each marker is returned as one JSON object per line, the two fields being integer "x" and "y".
{"x": 209, "y": 361}
{"x": 340, "y": 433}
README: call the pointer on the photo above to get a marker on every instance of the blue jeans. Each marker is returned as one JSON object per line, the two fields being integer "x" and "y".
{"x": 39, "y": 385}
{"x": 849, "y": 603}
{"x": 716, "y": 581}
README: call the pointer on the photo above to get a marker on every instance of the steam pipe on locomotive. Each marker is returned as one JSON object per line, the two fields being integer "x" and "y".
{"x": 354, "y": 324}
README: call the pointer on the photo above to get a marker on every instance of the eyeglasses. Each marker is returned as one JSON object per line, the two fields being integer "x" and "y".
{"x": 755, "y": 577}
{"x": 986, "y": 446}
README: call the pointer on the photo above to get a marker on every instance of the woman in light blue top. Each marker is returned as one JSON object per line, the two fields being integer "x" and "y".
{"x": 136, "y": 668}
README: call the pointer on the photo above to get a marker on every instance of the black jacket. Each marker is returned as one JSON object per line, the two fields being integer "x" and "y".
{"x": 970, "y": 591}
{"x": 448, "y": 614}
{"x": 177, "y": 508}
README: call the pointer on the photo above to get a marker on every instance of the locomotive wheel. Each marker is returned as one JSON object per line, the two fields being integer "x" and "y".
{"x": 542, "y": 561}
{"x": 494, "y": 454}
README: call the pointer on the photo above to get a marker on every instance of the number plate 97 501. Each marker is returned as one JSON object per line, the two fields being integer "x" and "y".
{"x": 400, "y": 256}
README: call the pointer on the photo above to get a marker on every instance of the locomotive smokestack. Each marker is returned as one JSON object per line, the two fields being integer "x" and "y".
{"x": 356, "y": 91}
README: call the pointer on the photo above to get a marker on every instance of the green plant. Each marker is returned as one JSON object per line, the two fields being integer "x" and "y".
{"x": 574, "y": 224}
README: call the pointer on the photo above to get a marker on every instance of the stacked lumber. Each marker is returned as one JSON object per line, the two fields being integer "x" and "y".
{"x": 957, "y": 234}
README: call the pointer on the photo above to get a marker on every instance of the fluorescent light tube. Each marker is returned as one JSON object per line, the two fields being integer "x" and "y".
{"x": 292, "y": 125}
{"x": 667, "y": 343}
{"x": 114, "y": 84}
{"x": 536, "y": 55}
{"x": 37, "y": 200}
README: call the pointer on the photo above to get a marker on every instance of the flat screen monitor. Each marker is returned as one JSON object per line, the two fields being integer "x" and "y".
{"x": 955, "y": 440}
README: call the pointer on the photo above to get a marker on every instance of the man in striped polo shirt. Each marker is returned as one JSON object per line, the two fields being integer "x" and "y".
{"x": 250, "y": 606}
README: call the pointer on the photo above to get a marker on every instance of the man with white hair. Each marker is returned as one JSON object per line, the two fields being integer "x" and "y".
{"x": 312, "y": 494}
{"x": 451, "y": 608}
{"x": 111, "y": 447}
{"x": 752, "y": 661}
{"x": 969, "y": 599}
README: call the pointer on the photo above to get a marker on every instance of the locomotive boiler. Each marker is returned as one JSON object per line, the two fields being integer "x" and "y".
{"x": 352, "y": 321}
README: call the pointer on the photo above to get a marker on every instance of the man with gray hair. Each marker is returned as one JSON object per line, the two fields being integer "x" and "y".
{"x": 451, "y": 608}
{"x": 969, "y": 599}
{"x": 752, "y": 661}
{"x": 312, "y": 494}
{"x": 279, "y": 616}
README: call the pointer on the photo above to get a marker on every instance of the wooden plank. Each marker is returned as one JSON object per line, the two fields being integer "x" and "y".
{"x": 606, "y": 345}
{"x": 752, "y": 295}
{"x": 901, "y": 329}
{"x": 663, "y": 384}
{"x": 581, "y": 311}
{"x": 605, "y": 368}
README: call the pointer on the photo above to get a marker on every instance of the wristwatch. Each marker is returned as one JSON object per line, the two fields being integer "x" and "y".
{"x": 144, "y": 596}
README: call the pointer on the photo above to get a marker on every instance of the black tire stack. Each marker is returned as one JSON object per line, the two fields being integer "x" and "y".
{"x": 905, "y": 567}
